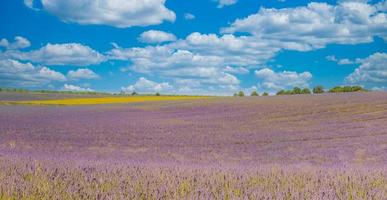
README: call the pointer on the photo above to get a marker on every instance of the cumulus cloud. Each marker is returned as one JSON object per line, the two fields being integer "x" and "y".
{"x": 75, "y": 88}
{"x": 269, "y": 31}
{"x": 19, "y": 43}
{"x": 222, "y": 3}
{"x": 315, "y": 25}
{"x": 382, "y": 88}
{"x": 189, "y": 16}
{"x": 344, "y": 61}
{"x": 17, "y": 74}
{"x": 226, "y": 50}
{"x": 82, "y": 74}
{"x": 178, "y": 64}
{"x": 331, "y": 58}
{"x": 59, "y": 54}
{"x": 371, "y": 72}
{"x": 144, "y": 85}
{"x": 274, "y": 81}
{"x": 117, "y": 13}
{"x": 236, "y": 70}
{"x": 155, "y": 36}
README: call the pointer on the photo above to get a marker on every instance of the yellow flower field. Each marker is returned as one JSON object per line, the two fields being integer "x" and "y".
{"x": 103, "y": 100}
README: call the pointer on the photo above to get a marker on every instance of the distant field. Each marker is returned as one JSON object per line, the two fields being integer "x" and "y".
{"x": 330, "y": 146}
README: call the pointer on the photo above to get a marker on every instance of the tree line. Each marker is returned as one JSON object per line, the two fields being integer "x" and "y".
{"x": 316, "y": 90}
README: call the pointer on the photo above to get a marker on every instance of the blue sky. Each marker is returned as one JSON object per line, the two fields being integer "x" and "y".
{"x": 192, "y": 47}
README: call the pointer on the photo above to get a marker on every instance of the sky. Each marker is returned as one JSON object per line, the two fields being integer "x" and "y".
{"x": 214, "y": 47}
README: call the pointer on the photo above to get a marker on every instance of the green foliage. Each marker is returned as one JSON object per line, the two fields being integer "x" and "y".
{"x": 134, "y": 93}
{"x": 241, "y": 94}
{"x": 254, "y": 93}
{"x": 318, "y": 89}
{"x": 305, "y": 91}
{"x": 265, "y": 94}
{"x": 357, "y": 88}
{"x": 339, "y": 89}
{"x": 296, "y": 90}
{"x": 281, "y": 92}
{"x": 157, "y": 94}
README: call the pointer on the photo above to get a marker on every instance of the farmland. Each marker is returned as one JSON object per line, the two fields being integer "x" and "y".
{"x": 329, "y": 146}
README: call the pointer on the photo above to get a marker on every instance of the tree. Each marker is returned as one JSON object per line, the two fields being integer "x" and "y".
{"x": 157, "y": 94}
{"x": 281, "y": 92}
{"x": 336, "y": 89}
{"x": 241, "y": 94}
{"x": 305, "y": 91}
{"x": 318, "y": 89}
{"x": 347, "y": 89}
{"x": 296, "y": 90}
{"x": 134, "y": 93}
{"x": 357, "y": 88}
{"x": 254, "y": 93}
{"x": 265, "y": 94}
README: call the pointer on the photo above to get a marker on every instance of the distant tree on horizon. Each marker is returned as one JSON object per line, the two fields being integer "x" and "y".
{"x": 305, "y": 91}
{"x": 296, "y": 90}
{"x": 265, "y": 94}
{"x": 281, "y": 92}
{"x": 254, "y": 93}
{"x": 318, "y": 89}
{"x": 241, "y": 94}
{"x": 134, "y": 93}
{"x": 157, "y": 94}
{"x": 338, "y": 89}
{"x": 357, "y": 88}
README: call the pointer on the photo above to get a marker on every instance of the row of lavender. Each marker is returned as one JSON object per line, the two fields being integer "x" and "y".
{"x": 30, "y": 179}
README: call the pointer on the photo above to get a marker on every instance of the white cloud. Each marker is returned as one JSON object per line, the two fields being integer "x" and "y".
{"x": 75, "y": 88}
{"x": 316, "y": 25}
{"x": 144, "y": 85}
{"x": 222, "y": 3}
{"x": 381, "y": 88}
{"x": 268, "y": 32}
{"x": 19, "y": 43}
{"x": 155, "y": 36}
{"x": 235, "y": 51}
{"x": 201, "y": 59}
{"x": 59, "y": 54}
{"x": 16, "y": 74}
{"x": 371, "y": 72}
{"x": 178, "y": 64}
{"x": 117, "y": 13}
{"x": 274, "y": 81}
{"x": 29, "y": 3}
{"x": 331, "y": 58}
{"x": 344, "y": 61}
{"x": 236, "y": 70}
{"x": 82, "y": 74}
{"x": 189, "y": 16}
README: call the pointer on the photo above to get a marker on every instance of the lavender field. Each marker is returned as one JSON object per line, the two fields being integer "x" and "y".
{"x": 330, "y": 146}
